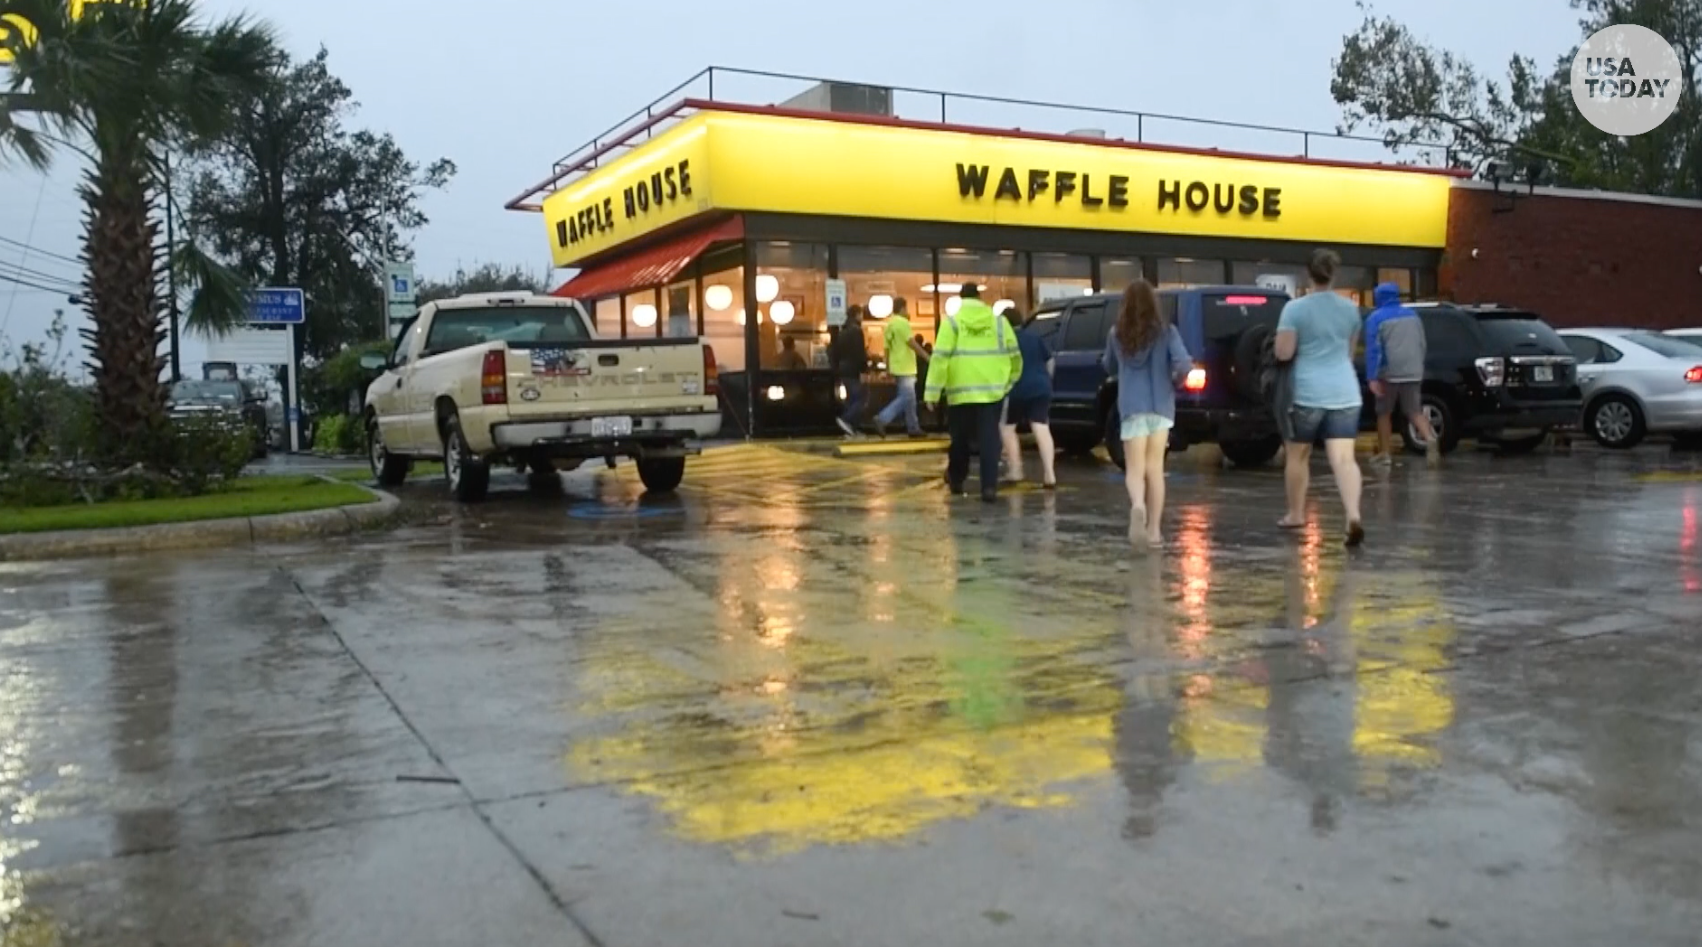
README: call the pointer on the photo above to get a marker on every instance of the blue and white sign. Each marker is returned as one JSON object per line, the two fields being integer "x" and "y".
{"x": 277, "y": 307}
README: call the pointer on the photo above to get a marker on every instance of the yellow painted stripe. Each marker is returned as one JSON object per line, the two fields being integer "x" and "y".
{"x": 888, "y": 448}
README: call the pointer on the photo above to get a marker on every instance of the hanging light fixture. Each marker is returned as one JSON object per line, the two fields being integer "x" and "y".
{"x": 781, "y": 313}
{"x": 880, "y": 306}
{"x": 1003, "y": 305}
{"x": 644, "y": 315}
{"x": 953, "y": 304}
{"x": 767, "y": 288}
{"x": 718, "y": 297}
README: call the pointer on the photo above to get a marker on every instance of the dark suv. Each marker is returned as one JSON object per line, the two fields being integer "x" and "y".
{"x": 1495, "y": 373}
{"x": 1225, "y": 328}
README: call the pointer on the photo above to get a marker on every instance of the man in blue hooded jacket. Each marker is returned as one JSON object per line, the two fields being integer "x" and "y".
{"x": 1394, "y": 366}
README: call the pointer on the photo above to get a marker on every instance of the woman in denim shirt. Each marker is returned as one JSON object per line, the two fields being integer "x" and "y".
{"x": 1148, "y": 358}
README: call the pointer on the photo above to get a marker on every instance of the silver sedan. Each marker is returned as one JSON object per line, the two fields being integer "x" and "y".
{"x": 1636, "y": 382}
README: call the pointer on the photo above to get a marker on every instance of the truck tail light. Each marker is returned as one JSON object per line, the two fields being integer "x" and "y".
{"x": 1196, "y": 380}
{"x": 711, "y": 373}
{"x": 1694, "y": 376}
{"x": 493, "y": 377}
{"x": 1493, "y": 371}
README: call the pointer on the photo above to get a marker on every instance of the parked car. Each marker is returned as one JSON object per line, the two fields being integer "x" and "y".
{"x": 1636, "y": 382}
{"x": 1225, "y": 329}
{"x": 231, "y": 401}
{"x": 1692, "y": 336}
{"x": 1498, "y": 374}
{"x": 520, "y": 379}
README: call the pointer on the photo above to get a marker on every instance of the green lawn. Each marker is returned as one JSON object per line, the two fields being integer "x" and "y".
{"x": 421, "y": 470}
{"x": 249, "y": 496}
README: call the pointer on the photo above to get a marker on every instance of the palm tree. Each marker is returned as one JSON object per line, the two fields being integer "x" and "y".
{"x": 117, "y": 82}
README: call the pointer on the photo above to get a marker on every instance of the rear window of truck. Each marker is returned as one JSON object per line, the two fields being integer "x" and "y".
{"x": 1512, "y": 330}
{"x": 1227, "y": 314}
{"x": 519, "y": 326}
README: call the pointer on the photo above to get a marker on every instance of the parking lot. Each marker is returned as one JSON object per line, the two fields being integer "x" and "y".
{"x": 812, "y": 700}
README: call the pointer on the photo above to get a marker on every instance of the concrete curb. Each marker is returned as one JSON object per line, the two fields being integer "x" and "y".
{"x": 202, "y": 534}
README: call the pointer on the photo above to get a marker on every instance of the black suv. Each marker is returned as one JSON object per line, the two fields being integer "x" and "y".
{"x": 1496, "y": 373}
{"x": 1226, "y": 329}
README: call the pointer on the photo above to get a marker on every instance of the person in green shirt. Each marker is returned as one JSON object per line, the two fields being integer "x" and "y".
{"x": 901, "y": 352}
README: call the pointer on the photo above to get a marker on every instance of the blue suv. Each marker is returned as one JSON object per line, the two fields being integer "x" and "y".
{"x": 1226, "y": 329}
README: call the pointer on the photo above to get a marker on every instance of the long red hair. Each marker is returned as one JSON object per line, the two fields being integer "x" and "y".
{"x": 1138, "y": 323}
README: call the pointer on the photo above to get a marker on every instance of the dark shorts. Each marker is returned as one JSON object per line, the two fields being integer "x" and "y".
{"x": 1313, "y": 424}
{"x": 1408, "y": 394}
{"x": 1032, "y": 410}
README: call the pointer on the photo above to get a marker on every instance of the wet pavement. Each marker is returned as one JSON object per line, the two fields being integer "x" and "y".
{"x": 816, "y": 701}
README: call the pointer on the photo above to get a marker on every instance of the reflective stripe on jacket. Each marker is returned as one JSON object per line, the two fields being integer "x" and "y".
{"x": 976, "y": 358}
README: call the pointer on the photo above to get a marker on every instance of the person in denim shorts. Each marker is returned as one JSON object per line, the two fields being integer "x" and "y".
{"x": 1317, "y": 333}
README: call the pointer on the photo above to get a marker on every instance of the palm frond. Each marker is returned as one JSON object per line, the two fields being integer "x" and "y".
{"x": 220, "y": 297}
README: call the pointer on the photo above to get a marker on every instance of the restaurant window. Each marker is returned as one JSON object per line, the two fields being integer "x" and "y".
{"x": 1001, "y": 274}
{"x": 606, "y": 317}
{"x": 1355, "y": 283}
{"x": 876, "y": 278}
{"x": 1185, "y": 271}
{"x": 724, "y": 315}
{"x": 1061, "y": 276}
{"x": 679, "y": 310}
{"x": 1400, "y": 276}
{"x": 643, "y": 315}
{"x": 791, "y": 295}
{"x": 1289, "y": 278}
{"x": 1115, "y": 274}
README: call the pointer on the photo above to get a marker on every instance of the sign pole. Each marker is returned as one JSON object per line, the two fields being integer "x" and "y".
{"x": 293, "y": 401}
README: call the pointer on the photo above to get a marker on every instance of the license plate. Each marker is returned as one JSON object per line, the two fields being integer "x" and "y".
{"x": 1542, "y": 373}
{"x": 611, "y": 427}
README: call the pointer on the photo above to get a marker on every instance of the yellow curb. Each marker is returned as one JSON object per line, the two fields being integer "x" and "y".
{"x": 893, "y": 447}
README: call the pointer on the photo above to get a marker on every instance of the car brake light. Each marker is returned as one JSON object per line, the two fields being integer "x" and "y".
{"x": 1245, "y": 300}
{"x": 1493, "y": 371}
{"x": 493, "y": 377}
{"x": 1694, "y": 376}
{"x": 711, "y": 373}
{"x": 1196, "y": 380}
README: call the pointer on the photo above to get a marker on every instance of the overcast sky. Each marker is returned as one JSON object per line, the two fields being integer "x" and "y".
{"x": 505, "y": 87}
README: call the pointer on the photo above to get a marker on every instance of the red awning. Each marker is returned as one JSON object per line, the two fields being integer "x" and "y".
{"x": 652, "y": 266}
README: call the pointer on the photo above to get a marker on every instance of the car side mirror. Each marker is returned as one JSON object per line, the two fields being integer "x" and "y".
{"x": 373, "y": 362}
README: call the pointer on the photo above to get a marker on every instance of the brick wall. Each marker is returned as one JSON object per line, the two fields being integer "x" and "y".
{"x": 1577, "y": 260}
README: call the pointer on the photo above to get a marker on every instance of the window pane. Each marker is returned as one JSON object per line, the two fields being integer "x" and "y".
{"x": 1662, "y": 345}
{"x": 1355, "y": 283}
{"x": 724, "y": 317}
{"x": 791, "y": 295}
{"x": 1182, "y": 271}
{"x": 876, "y": 278}
{"x": 606, "y": 317}
{"x": 1086, "y": 329}
{"x": 454, "y": 329}
{"x": 1583, "y": 349}
{"x": 1115, "y": 275}
{"x": 680, "y": 307}
{"x": 1443, "y": 332}
{"x": 1061, "y": 276}
{"x": 1400, "y": 276}
{"x": 1001, "y": 274}
{"x": 1288, "y": 278}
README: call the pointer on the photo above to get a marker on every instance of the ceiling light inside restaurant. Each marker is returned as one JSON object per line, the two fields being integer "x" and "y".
{"x": 776, "y": 393}
{"x": 944, "y": 288}
{"x": 880, "y": 306}
{"x": 953, "y": 304}
{"x": 718, "y": 297}
{"x": 1004, "y": 304}
{"x": 767, "y": 288}
{"x": 781, "y": 313}
{"x": 644, "y": 315}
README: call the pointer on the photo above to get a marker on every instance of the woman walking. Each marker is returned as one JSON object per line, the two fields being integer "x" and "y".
{"x": 1149, "y": 360}
{"x": 1031, "y": 401}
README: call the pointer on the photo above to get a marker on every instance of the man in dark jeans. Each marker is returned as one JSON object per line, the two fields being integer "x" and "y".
{"x": 850, "y": 361}
{"x": 975, "y": 364}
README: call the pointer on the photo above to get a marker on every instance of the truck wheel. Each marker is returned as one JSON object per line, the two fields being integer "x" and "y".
{"x": 388, "y": 469}
{"x": 1251, "y": 453}
{"x": 469, "y": 476}
{"x": 662, "y": 474}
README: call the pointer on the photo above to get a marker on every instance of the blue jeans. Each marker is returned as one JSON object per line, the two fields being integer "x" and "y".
{"x": 904, "y": 401}
{"x": 856, "y": 396}
{"x": 1330, "y": 424}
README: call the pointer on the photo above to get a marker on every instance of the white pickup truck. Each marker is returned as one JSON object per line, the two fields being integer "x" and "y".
{"x": 513, "y": 378}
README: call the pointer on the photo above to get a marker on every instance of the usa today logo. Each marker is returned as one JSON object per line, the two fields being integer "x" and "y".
{"x": 1626, "y": 80}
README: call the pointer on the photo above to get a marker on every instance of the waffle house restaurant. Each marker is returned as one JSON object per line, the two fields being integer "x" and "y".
{"x": 736, "y": 221}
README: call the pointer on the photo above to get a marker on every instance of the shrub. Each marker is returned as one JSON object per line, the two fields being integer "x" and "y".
{"x": 339, "y": 434}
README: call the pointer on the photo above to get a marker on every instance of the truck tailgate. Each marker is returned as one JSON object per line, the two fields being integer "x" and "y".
{"x": 613, "y": 377}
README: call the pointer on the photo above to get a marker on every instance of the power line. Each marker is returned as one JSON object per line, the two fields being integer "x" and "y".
{"x": 32, "y": 285}
{"x": 32, "y": 273}
{"x": 37, "y": 251}
{"x": 12, "y": 299}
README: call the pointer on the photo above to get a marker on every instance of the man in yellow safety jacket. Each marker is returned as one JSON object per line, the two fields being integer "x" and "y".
{"x": 976, "y": 361}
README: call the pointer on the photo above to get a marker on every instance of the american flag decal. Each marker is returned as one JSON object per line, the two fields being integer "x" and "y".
{"x": 556, "y": 361}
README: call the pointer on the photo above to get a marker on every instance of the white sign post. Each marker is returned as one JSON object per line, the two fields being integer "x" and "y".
{"x": 285, "y": 306}
{"x": 836, "y": 302}
{"x": 401, "y": 290}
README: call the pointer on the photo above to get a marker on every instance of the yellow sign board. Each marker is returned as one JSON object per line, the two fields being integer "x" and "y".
{"x": 793, "y": 165}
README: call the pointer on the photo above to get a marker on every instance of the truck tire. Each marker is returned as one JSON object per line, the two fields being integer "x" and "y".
{"x": 468, "y": 474}
{"x": 1251, "y": 453}
{"x": 388, "y": 469}
{"x": 662, "y": 474}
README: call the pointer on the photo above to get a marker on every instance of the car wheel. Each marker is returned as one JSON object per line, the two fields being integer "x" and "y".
{"x": 1616, "y": 422}
{"x": 1521, "y": 445}
{"x": 1442, "y": 424}
{"x": 388, "y": 469}
{"x": 469, "y": 476}
{"x": 662, "y": 474}
{"x": 1251, "y": 453}
{"x": 1114, "y": 438}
